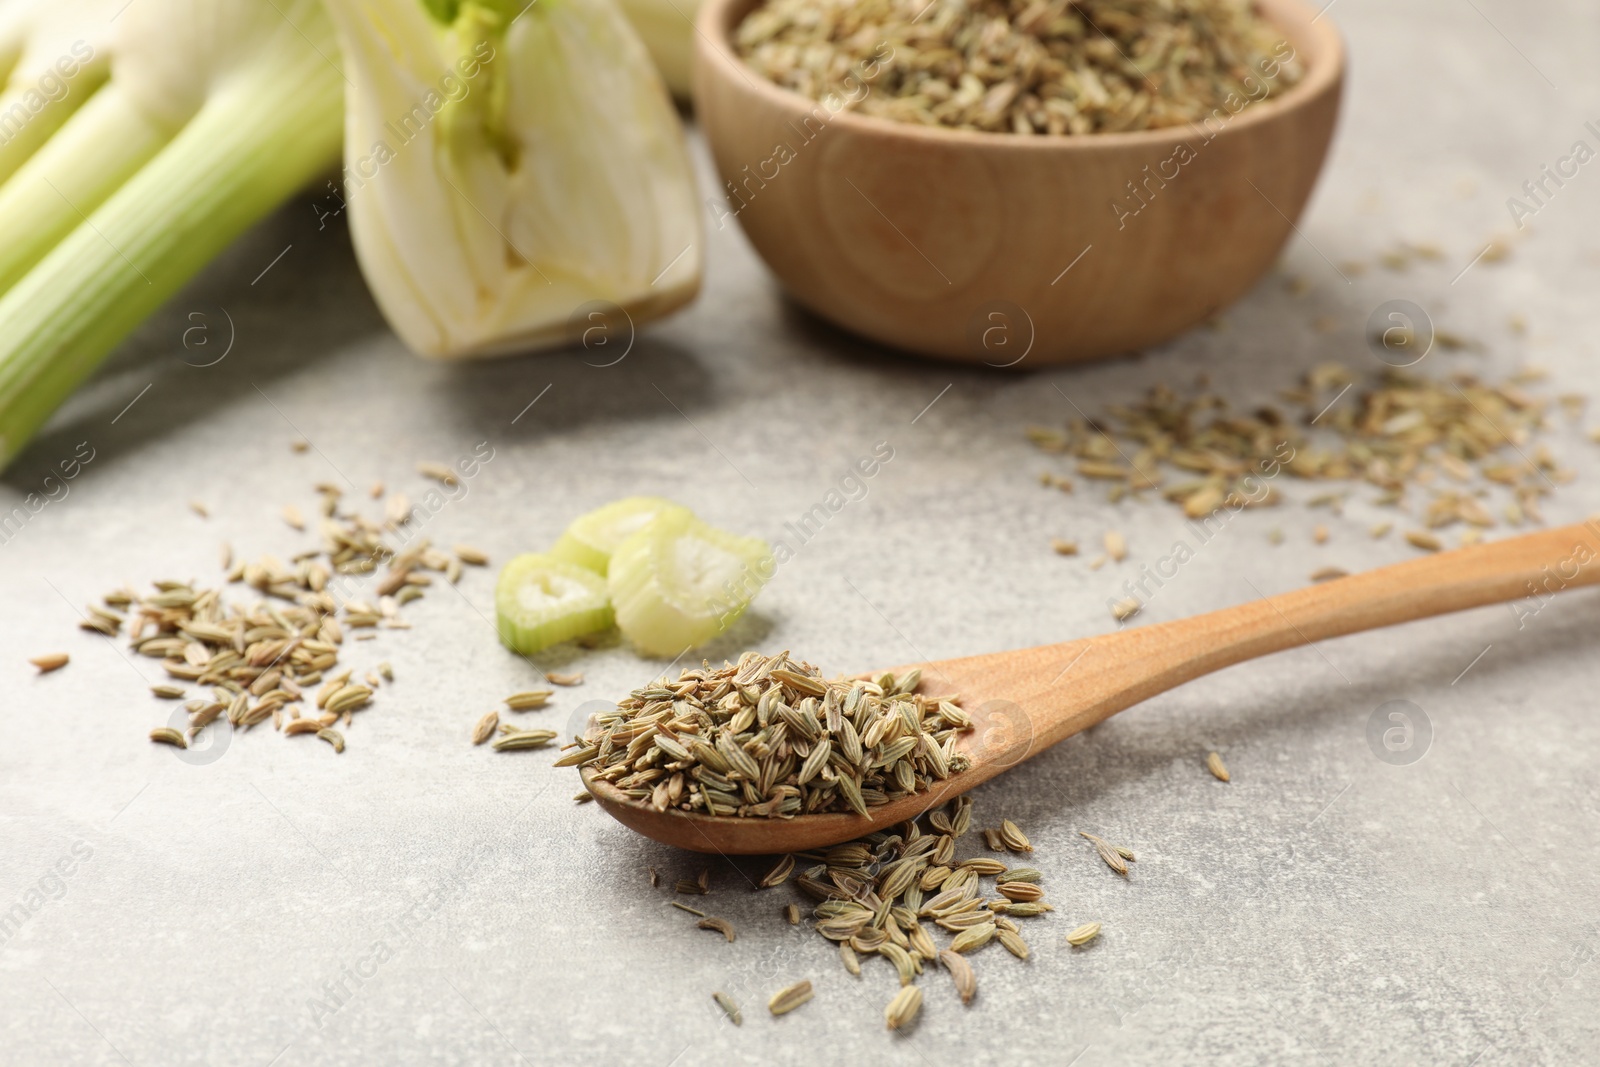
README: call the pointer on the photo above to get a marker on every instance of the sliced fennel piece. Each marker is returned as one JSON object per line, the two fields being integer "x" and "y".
{"x": 223, "y": 109}
{"x": 540, "y": 601}
{"x": 679, "y": 582}
{"x": 593, "y": 537}
{"x": 508, "y": 164}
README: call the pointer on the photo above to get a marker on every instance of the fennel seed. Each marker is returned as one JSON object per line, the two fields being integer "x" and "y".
{"x": 1083, "y": 935}
{"x": 789, "y": 998}
{"x": 1019, "y": 892}
{"x": 778, "y": 874}
{"x": 1012, "y": 942}
{"x": 1126, "y": 608}
{"x": 1013, "y": 838}
{"x": 513, "y": 740}
{"x": 475, "y": 557}
{"x": 528, "y": 701}
{"x": 166, "y": 735}
{"x": 961, "y": 973}
{"x": 903, "y": 1008}
{"x": 721, "y": 926}
{"x": 439, "y": 472}
{"x": 729, "y": 1007}
{"x": 1113, "y": 857}
{"x": 972, "y": 938}
{"x": 1422, "y": 539}
{"x": 486, "y": 728}
{"x": 1023, "y": 911}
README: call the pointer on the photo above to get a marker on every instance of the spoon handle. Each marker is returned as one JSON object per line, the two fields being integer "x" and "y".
{"x": 1067, "y": 688}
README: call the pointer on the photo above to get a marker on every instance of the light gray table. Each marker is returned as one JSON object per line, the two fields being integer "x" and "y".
{"x": 1326, "y": 907}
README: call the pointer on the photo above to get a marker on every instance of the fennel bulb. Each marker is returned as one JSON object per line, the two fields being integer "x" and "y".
{"x": 194, "y": 119}
{"x": 508, "y": 162}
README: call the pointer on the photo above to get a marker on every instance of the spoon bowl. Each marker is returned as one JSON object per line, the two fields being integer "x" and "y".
{"x": 1023, "y": 702}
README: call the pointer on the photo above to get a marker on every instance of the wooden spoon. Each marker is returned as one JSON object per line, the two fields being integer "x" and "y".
{"x": 1025, "y": 701}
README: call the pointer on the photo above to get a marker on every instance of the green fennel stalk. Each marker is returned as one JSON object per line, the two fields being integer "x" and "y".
{"x": 215, "y": 112}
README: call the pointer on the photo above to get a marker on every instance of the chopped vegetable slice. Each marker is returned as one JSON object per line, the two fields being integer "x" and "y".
{"x": 540, "y": 601}
{"x": 592, "y": 538}
{"x": 679, "y": 582}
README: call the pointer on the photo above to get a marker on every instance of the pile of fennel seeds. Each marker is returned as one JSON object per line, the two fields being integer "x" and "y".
{"x": 1023, "y": 66}
{"x": 770, "y": 737}
{"x": 277, "y": 659}
{"x": 904, "y": 896}
{"x": 1451, "y": 450}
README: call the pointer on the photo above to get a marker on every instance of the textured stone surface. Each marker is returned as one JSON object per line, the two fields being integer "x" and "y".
{"x": 1323, "y": 908}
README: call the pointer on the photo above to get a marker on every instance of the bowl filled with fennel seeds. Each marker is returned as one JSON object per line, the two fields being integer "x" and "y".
{"x": 1016, "y": 182}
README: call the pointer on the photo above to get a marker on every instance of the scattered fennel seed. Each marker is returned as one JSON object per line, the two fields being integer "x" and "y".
{"x": 1422, "y": 539}
{"x": 1083, "y": 935}
{"x": 789, "y": 998}
{"x": 1126, "y": 608}
{"x": 903, "y": 1008}
{"x": 486, "y": 728}
{"x": 1112, "y": 857}
{"x": 166, "y": 735}
{"x": 729, "y": 1007}
{"x": 439, "y": 472}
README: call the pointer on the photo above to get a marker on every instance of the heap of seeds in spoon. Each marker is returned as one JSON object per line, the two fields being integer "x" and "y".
{"x": 1023, "y": 66}
{"x": 770, "y": 737}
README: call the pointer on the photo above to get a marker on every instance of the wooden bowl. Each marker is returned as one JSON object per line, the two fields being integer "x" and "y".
{"x": 1009, "y": 250}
